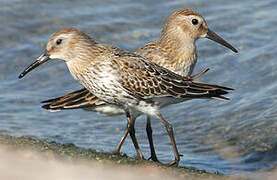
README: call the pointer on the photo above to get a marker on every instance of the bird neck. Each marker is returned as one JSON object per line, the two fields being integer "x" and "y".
{"x": 83, "y": 58}
{"x": 182, "y": 49}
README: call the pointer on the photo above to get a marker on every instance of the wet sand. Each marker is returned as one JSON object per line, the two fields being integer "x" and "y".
{"x": 28, "y": 158}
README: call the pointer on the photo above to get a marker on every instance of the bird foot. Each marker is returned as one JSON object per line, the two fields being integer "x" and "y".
{"x": 140, "y": 157}
{"x": 153, "y": 158}
{"x": 174, "y": 163}
{"x": 115, "y": 152}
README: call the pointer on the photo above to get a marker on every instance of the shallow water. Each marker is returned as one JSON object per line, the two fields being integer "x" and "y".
{"x": 232, "y": 137}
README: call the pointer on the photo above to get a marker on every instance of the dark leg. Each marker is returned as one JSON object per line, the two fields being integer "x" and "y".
{"x": 169, "y": 130}
{"x": 150, "y": 139}
{"x": 131, "y": 130}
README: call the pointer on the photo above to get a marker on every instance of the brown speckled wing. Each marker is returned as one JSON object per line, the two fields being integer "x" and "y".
{"x": 77, "y": 99}
{"x": 82, "y": 99}
{"x": 148, "y": 80}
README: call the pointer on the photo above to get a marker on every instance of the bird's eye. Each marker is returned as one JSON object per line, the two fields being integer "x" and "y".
{"x": 194, "y": 21}
{"x": 59, "y": 41}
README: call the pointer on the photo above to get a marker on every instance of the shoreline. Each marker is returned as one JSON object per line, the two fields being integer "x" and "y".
{"x": 71, "y": 154}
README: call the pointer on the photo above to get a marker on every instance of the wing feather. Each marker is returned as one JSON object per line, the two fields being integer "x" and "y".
{"x": 137, "y": 74}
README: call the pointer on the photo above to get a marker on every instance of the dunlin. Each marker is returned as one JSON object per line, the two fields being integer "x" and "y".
{"x": 175, "y": 50}
{"x": 124, "y": 79}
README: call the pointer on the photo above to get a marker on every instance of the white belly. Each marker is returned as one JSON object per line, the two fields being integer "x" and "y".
{"x": 107, "y": 109}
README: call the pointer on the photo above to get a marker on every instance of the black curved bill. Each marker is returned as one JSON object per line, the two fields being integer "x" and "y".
{"x": 40, "y": 60}
{"x": 213, "y": 36}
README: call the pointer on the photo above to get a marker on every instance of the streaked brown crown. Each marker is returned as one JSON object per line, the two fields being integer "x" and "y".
{"x": 70, "y": 38}
{"x": 185, "y": 12}
{"x": 177, "y": 19}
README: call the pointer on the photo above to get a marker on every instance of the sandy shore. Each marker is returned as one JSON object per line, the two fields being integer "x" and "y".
{"x": 27, "y": 158}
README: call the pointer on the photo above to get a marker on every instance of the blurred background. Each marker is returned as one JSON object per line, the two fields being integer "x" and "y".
{"x": 231, "y": 137}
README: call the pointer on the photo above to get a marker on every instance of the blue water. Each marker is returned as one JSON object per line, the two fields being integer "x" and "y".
{"x": 231, "y": 137}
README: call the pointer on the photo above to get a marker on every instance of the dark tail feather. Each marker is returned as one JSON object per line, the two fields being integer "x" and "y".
{"x": 205, "y": 90}
{"x": 67, "y": 96}
{"x": 77, "y": 99}
{"x": 211, "y": 86}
